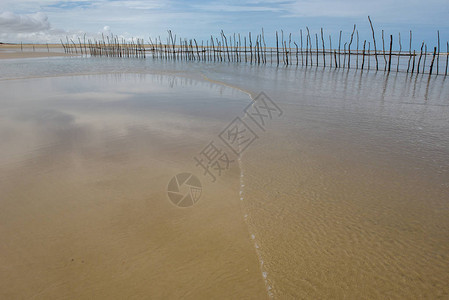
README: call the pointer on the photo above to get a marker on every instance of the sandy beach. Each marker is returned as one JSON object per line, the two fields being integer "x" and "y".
{"x": 85, "y": 211}
{"x": 343, "y": 196}
{"x": 13, "y": 51}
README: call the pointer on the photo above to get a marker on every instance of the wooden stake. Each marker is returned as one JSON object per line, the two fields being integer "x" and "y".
{"x": 433, "y": 60}
{"x": 297, "y": 59}
{"x": 383, "y": 51}
{"x": 447, "y": 57}
{"x": 389, "y": 58}
{"x": 250, "y": 49}
{"x": 339, "y": 50}
{"x": 438, "y": 54}
{"x": 420, "y": 56}
{"x": 246, "y": 57}
{"x": 302, "y": 55}
{"x": 363, "y": 54}
{"x": 399, "y": 54}
{"x": 425, "y": 57}
{"x": 369, "y": 55}
{"x": 357, "y": 56}
{"x": 349, "y": 48}
{"x": 277, "y": 48}
{"x": 307, "y": 50}
{"x": 374, "y": 41}
{"x": 324, "y": 51}
{"x": 290, "y": 47}
{"x": 335, "y": 58}
{"x": 410, "y": 52}
{"x": 309, "y": 40}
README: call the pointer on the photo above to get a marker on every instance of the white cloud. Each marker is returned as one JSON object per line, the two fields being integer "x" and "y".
{"x": 236, "y": 8}
{"x": 15, "y": 23}
{"x": 140, "y": 18}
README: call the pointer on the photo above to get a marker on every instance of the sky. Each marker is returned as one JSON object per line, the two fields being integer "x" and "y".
{"x": 34, "y": 21}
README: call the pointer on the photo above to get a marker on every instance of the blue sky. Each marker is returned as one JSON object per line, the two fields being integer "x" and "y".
{"x": 47, "y": 21}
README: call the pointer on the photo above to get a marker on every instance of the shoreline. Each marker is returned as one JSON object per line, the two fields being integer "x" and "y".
{"x": 16, "y": 55}
{"x": 14, "y": 51}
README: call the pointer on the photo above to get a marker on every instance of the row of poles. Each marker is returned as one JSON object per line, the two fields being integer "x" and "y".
{"x": 110, "y": 46}
{"x": 253, "y": 49}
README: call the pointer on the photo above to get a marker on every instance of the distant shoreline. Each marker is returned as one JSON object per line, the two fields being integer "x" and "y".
{"x": 13, "y": 51}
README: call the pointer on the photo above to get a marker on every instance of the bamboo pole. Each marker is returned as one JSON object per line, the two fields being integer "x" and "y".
{"x": 425, "y": 57}
{"x": 316, "y": 42}
{"x": 307, "y": 50}
{"x": 324, "y": 51}
{"x": 310, "y": 44}
{"x": 85, "y": 49}
{"x": 383, "y": 51}
{"x": 438, "y": 53}
{"x": 297, "y": 58}
{"x": 414, "y": 56}
{"x": 399, "y": 54}
{"x": 282, "y": 44}
{"x": 374, "y": 41}
{"x": 433, "y": 60}
{"x": 219, "y": 49}
{"x": 277, "y": 48}
{"x": 290, "y": 47}
{"x": 226, "y": 42}
{"x": 339, "y": 50}
{"x": 389, "y": 58}
{"x": 197, "y": 50}
{"x": 335, "y": 58}
{"x": 76, "y": 51}
{"x": 357, "y": 55}
{"x": 65, "y": 51}
{"x": 235, "y": 50}
{"x": 420, "y": 56}
{"x": 330, "y": 49}
{"x": 68, "y": 45}
{"x": 447, "y": 57}
{"x": 410, "y": 52}
{"x": 246, "y": 57}
{"x": 239, "y": 45}
{"x": 250, "y": 48}
{"x": 369, "y": 57}
{"x": 213, "y": 46}
{"x": 363, "y": 54}
{"x": 302, "y": 54}
{"x": 286, "y": 52}
{"x": 81, "y": 48}
{"x": 349, "y": 48}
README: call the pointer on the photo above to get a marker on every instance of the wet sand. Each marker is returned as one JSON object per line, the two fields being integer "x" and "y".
{"x": 13, "y": 51}
{"x": 344, "y": 196}
{"x": 14, "y": 55}
{"x": 85, "y": 213}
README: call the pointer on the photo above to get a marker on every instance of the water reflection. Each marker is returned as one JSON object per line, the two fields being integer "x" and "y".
{"x": 354, "y": 174}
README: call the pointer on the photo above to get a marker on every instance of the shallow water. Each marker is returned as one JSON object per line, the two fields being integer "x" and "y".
{"x": 343, "y": 196}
